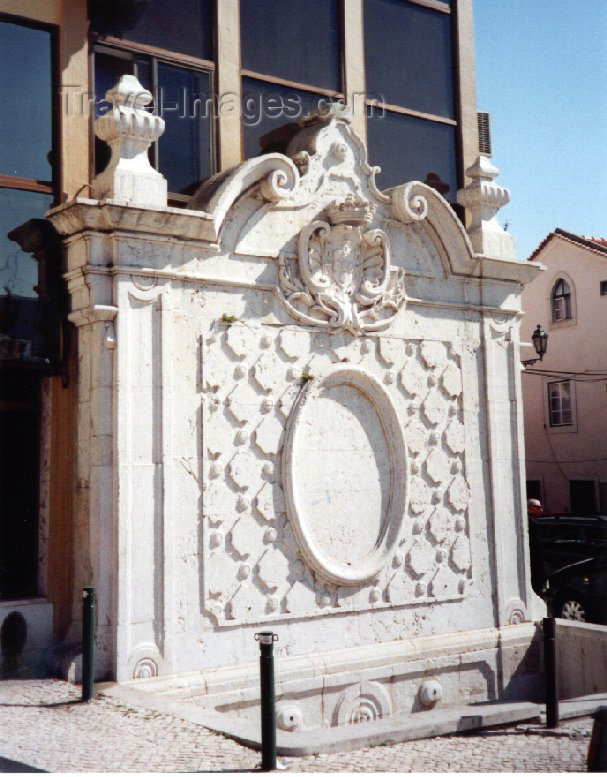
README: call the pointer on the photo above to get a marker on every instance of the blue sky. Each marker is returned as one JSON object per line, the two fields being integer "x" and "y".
{"x": 542, "y": 75}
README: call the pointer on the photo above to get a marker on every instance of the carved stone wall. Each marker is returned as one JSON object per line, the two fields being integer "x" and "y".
{"x": 367, "y": 438}
{"x": 295, "y": 410}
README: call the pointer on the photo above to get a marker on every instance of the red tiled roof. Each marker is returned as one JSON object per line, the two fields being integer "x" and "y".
{"x": 598, "y": 244}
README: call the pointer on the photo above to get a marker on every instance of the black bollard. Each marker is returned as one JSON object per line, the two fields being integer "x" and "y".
{"x": 552, "y": 697}
{"x": 88, "y": 641}
{"x": 266, "y": 641}
{"x": 597, "y": 749}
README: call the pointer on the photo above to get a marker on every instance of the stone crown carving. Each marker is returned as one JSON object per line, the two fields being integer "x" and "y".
{"x": 353, "y": 211}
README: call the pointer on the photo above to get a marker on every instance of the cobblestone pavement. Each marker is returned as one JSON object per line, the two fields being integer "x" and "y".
{"x": 43, "y": 725}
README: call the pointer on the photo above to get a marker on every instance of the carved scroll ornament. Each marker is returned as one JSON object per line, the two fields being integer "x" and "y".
{"x": 341, "y": 277}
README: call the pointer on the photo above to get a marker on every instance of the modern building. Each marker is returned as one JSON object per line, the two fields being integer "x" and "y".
{"x": 252, "y": 381}
{"x": 564, "y": 394}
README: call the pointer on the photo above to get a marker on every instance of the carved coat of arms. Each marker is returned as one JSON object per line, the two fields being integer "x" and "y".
{"x": 341, "y": 277}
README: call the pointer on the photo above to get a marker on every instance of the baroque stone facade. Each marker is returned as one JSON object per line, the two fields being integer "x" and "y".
{"x": 299, "y": 407}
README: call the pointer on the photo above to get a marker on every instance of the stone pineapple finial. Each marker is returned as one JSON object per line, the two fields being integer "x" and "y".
{"x": 129, "y": 129}
{"x": 484, "y": 198}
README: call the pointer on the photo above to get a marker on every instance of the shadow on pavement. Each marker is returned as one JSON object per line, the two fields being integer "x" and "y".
{"x": 42, "y": 706}
{"x": 8, "y": 765}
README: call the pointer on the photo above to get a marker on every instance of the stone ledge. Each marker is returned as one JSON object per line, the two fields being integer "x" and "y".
{"x": 396, "y": 728}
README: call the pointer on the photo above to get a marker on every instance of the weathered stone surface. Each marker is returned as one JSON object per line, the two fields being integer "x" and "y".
{"x": 295, "y": 431}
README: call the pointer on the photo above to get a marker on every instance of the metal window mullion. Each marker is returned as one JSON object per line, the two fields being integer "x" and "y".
{"x": 156, "y": 92}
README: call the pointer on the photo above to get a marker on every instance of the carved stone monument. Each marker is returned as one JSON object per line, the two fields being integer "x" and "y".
{"x": 300, "y": 410}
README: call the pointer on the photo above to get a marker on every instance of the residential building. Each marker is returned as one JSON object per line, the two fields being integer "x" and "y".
{"x": 564, "y": 394}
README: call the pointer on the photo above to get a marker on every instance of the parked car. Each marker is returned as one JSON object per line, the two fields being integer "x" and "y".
{"x": 569, "y": 564}
{"x": 578, "y": 591}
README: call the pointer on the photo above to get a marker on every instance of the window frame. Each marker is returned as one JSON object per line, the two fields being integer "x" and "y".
{"x": 451, "y": 10}
{"x": 32, "y": 184}
{"x": 552, "y": 412}
{"x": 565, "y": 297}
{"x": 228, "y": 131}
{"x": 110, "y": 45}
{"x": 297, "y": 85}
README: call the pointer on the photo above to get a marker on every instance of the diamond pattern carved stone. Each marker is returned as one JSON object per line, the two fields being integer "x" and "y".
{"x": 419, "y": 495}
{"x": 270, "y": 501}
{"x": 417, "y": 437}
{"x": 444, "y": 583}
{"x": 267, "y": 373}
{"x": 240, "y": 340}
{"x": 301, "y": 598}
{"x": 440, "y": 525}
{"x": 435, "y": 408}
{"x": 392, "y": 349}
{"x": 244, "y": 402}
{"x": 272, "y": 569}
{"x": 243, "y": 435}
{"x": 434, "y": 354}
{"x": 459, "y": 494}
{"x": 247, "y": 602}
{"x": 268, "y": 435}
{"x": 420, "y": 558}
{"x": 460, "y": 553}
{"x": 413, "y": 378}
{"x": 294, "y": 343}
{"x": 438, "y": 465}
{"x": 218, "y": 433}
{"x": 240, "y": 537}
{"x": 452, "y": 380}
{"x": 243, "y": 469}
{"x": 454, "y": 437}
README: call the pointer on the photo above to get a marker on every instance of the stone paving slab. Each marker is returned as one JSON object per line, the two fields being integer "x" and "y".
{"x": 44, "y": 726}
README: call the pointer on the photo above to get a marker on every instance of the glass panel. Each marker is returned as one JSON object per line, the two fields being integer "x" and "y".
{"x": 408, "y": 56}
{"x": 184, "y": 150}
{"x": 25, "y": 102}
{"x": 292, "y": 39}
{"x": 21, "y": 333}
{"x": 185, "y": 27}
{"x": 108, "y": 71}
{"x": 410, "y": 149}
{"x": 18, "y": 270}
{"x": 268, "y": 108}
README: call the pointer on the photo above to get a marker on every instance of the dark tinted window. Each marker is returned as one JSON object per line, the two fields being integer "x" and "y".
{"x": 185, "y": 27}
{"x": 25, "y": 100}
{"x": 184, "y": 150}
{"x": 293, "y": 39}
{"x": 18, "y": 270}
{"x": 582, "y": 494}
{"x": 410, "y": 149}
{"x": 108, "y": 70}
{"x": 267, "y": 108}
{"x": 408, "y": 56}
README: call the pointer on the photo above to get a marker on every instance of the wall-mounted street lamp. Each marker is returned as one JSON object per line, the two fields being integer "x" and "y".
{"x": 539, "y": 338}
